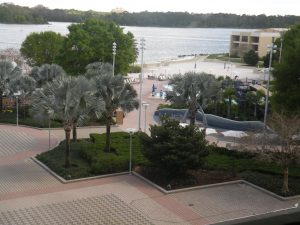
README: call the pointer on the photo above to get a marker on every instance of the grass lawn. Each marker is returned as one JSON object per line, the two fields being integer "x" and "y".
{"x": 88, "y": 158}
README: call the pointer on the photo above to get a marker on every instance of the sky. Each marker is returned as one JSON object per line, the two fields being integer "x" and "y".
{"x": 250, "y": 7}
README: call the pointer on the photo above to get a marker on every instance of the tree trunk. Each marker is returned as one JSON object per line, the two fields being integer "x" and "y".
{"x": 285, "y": 186}
{"x": 192, "y": 111}
{"x": 67, "y": 128}
{"x": 107, "y": 143}
{"x": 229, "y": 108}
{"x": 74, "y": 132}
{"x": 255, "y": 110}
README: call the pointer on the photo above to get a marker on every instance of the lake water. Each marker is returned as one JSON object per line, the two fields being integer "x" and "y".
{"x": 161, "y": 43}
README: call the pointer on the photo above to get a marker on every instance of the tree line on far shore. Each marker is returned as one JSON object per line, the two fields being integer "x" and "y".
{"x": 10, "y": 13}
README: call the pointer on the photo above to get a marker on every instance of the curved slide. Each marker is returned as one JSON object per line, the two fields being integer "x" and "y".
{"x": 213, "y": 121}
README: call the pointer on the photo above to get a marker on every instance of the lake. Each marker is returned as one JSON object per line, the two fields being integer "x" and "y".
{"x": 161, "y": 43}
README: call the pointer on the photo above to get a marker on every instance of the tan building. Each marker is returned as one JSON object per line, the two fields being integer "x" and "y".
{"x": 243, "y": 42}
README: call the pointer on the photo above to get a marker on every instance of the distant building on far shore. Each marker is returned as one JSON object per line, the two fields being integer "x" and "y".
{"x": 119, "y": 10}
{"x": 243, "y": 42}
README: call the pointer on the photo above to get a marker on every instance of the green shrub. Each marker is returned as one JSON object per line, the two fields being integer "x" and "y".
{"x": 110, "y": 164}
{"x": 135, "y": 69}
{"x": 174, "y": 149}
{"x": 251, "y": 58}
{"x": 231, "y": 153}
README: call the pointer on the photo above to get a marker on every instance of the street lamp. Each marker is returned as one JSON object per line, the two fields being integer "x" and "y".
{"x": 145, "y": 104}
{"x": 281, "y": 40}
{"x": 17, "y": 94}
{"x": 114, "y": 49}
{"x": 271, "y": 48}
{"x": 141, "y": 80}
{"x": 50, "y": 112}
{"x": 131, "y": 132}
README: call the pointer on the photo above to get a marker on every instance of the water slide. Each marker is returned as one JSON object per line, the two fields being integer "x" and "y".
{"x": 213, "y": 121}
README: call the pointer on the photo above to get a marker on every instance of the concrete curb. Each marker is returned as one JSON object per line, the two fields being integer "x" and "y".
{"x": 271, "y": 193}
{"x": 215, "y": 185}
{"x": 64, "y": 181}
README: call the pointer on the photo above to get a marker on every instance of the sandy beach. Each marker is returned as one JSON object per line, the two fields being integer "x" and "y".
{"x": 202, "y": 64}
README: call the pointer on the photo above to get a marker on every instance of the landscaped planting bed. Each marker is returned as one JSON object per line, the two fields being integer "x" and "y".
{"x": 221, "y": 165}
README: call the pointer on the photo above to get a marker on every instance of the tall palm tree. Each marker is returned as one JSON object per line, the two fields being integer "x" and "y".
{"x": 85, "y": 92}
{"x": 115, "y": 94}
{"x": 24, "y": 84}
{"x": 96, "y": 68}
{"x": 8, "y": 72}
{"x": 229, "y": 93}
{"x": 46, "y": 73}
{"x": 65, "y": 99}
{"x": 195, "y": 90}
{"x": 254, "y": 98}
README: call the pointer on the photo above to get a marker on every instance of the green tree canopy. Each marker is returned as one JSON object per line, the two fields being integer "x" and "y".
{"x": 286, "y": 90}
{"x": 251, "y": 58}
{"x": 174, "y": 149}
{"x": 41, "y": 48}
{"x": 91, "y": 41}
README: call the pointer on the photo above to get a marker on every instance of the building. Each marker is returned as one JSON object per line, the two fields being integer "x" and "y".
{"x": 243, "y": 42}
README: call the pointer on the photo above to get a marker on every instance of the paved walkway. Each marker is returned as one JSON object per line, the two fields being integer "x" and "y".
{"x": 30, "y": 195}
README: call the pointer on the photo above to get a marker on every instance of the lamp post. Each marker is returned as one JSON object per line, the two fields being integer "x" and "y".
{"x": 130, "y": 131}
{"x": 50, "y": 112}
{"x": 271, "y": 48}
{"x": 145, "y": 104}
{"x": 141, "y": 80}
{"x": 281, "y": 40}
{"x": 114, "y": 48}
{"x": 17, "y": 94}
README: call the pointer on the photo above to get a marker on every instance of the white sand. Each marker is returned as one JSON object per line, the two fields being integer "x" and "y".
{"x": 214, "y": 67}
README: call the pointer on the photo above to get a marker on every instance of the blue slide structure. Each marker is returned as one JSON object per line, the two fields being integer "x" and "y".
{"x": 213, "y": 121}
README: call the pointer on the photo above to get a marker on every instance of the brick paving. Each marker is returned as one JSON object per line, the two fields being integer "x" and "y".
{"x": 105, "y": 209}
{"x": 14, "y": 141}
{"x": 23, "y": 176}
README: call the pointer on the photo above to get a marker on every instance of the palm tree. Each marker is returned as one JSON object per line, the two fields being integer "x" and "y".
{"x": 115, "y": 94}
{"x": 96, "y": 68}
{"x": 46, "y": 73}
{"x": 65, "y": 99}
{"x": 194, "y": 90}
{"x": 254, "y": 98}
{"x": 229, "y": 93}
{"x": 85, "y": 91}
{"x": 8, "y": 72}
{"x": 26, "y": 85}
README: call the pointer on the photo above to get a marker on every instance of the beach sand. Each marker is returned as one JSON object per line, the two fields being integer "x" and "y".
{"x": 201, "y": 64}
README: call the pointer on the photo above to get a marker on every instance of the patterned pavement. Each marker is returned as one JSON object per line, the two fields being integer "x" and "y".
{"x": 14, "y": 141}
{"x": 105, "y": 209}
{"x": 24, "y": 175}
